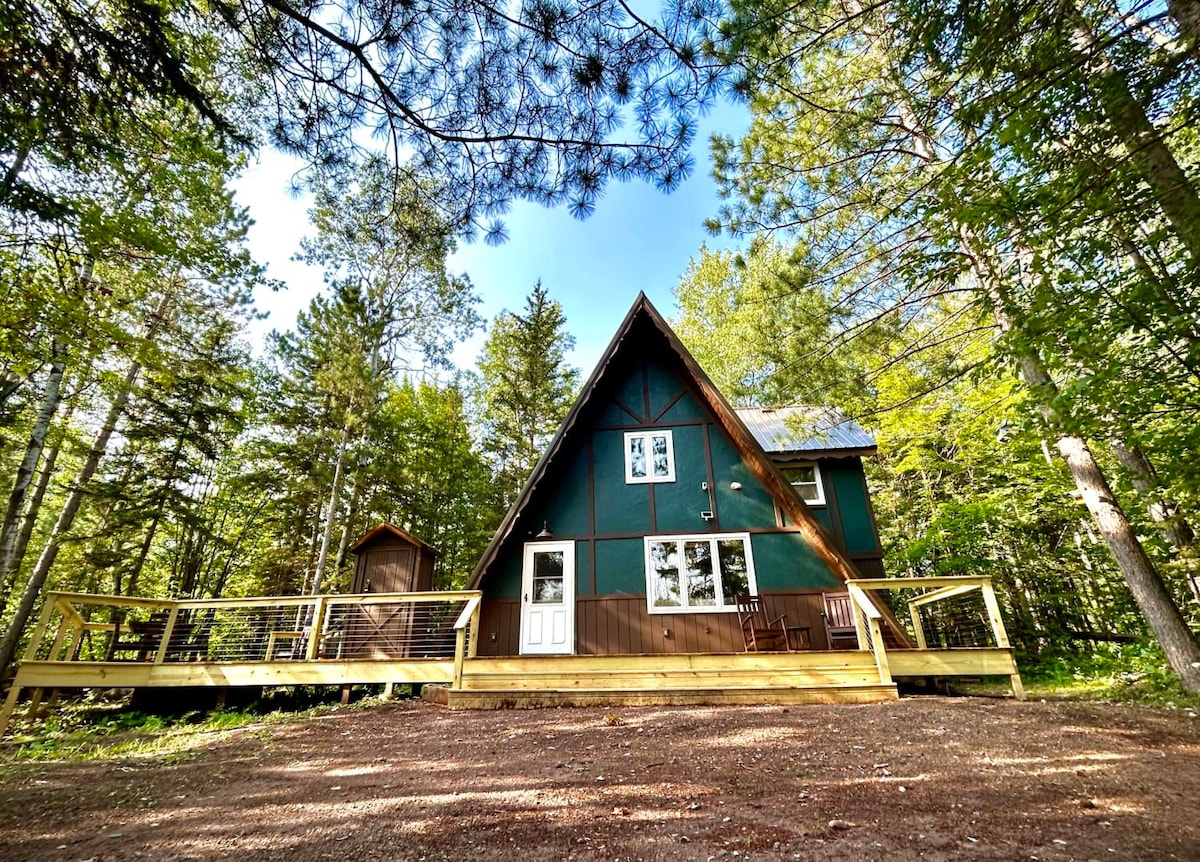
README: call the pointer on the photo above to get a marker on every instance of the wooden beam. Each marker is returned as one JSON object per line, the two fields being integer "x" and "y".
{"x": 169, "y": 629}
{"x": 993, "y": 610}
{"x": 128, "y": 674}
{"x": 316, "y": 630}
{"x": 952, "y": 662}
{"x": 880, "y": 650}
{"x": 10, "y": 703}
{"x": 909, "y": 583}
{"x": 39, "y": 631}
{"x": 915, "y": 613}
{"x": 943, "y": 593}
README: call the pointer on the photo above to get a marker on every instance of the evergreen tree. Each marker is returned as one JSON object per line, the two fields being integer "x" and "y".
{"x": 526, "y": 386}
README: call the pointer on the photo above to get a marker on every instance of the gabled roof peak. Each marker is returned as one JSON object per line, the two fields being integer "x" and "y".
{"x": 706, "y": 392}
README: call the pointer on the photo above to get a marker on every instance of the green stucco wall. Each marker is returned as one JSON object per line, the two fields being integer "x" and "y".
{"x": 846, "y": 477}
{"x": 620, "y": 567}
{"x": 784, "y": 561}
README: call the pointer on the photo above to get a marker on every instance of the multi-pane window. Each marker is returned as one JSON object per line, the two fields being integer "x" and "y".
{"x": 649, "y": 457}
{"x": 806, "y": 478}
{"x": 698, "y": 573}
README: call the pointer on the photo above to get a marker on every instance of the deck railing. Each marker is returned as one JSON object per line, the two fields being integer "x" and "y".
{"x": 79, "y": 627}
{"x": 946, "y": 613}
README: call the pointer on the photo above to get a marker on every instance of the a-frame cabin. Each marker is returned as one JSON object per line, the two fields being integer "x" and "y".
{"x": 612, "y": 580}
{"x": 652, "y": 509}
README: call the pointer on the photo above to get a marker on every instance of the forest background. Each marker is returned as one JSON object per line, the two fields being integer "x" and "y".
{"x": 975, "y": 228}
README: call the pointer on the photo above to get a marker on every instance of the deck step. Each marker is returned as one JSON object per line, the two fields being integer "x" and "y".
{"x": 671, "y": 679}
{"x": 731, "y": 695}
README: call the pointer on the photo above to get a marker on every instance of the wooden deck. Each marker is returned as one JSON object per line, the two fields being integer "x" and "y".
{"x": 431, "y": 639}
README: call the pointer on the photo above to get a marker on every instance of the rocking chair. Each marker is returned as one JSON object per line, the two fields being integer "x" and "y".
{"x": 760, "y": 633}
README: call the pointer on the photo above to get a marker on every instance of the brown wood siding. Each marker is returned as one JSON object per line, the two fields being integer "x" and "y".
{"x": 499, "y": 627}
{"x": 424, "y": 580}
{"x": 622, "y": 625}
{"x": 870, "y": 567}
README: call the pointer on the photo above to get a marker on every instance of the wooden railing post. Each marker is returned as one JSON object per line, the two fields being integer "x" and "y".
{"x": 59, "y": 636}
{"x": 469, "y": 616}
{"x": 881, "y": 659}
{"x": 39, "y": 631}
{"x": 474, "y": 644}
{"x": 856, "y": 602}
{"x": 318, "y": 626}
{"x": 169, "y": 629}
{"x": 993, "y": 612}
{"x": 460, "y": 643}
{"x": 914, "y": 611}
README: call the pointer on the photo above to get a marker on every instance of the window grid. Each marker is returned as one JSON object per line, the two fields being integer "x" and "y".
{"x": 649, "y": 457}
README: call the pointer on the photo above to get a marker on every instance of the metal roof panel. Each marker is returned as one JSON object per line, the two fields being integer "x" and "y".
{"x": 804, "y": 428}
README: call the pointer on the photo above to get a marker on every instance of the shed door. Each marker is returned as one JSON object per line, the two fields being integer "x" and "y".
{"x": 388, "y": 570}
{"x": 548, "y": 598}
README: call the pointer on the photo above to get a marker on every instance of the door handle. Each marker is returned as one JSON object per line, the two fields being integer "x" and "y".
{"x": 525, "y": 597}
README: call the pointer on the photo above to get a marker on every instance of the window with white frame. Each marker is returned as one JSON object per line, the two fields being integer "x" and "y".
{"x": 698, "y": 573}
{"x": 806, "y": 478}
{"x": 649, "y": 457}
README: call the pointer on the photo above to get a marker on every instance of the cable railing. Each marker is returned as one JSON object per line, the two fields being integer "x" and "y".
{"x": 80, "y": 627}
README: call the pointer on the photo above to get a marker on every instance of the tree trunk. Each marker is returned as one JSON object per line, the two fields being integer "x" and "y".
{"x": 37, "y": 578}
{"x": 29, "y": 523}
{"x": 1163, "y": 511}
{"x": 1155, "y": 162}
{"x": 1147, "y": 587}
{"x": 51, "y": 396}
{"x": 1187, "y": 15}
{"x": 344, "y": 544}
{"x": 335, "y": 494}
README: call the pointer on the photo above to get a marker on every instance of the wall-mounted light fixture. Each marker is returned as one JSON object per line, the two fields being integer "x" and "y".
{"x": 735, "y": 486}
{"x": 545, "y": 533}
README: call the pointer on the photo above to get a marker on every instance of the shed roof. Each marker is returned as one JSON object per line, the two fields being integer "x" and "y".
{"x": 386, "y": 529}
{"x": 806, "y": 429}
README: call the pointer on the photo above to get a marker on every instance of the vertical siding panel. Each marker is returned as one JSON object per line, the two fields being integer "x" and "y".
{"x": 596, "y": 625}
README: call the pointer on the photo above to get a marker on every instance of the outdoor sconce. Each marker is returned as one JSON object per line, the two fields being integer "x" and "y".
{"x": 735, "y": 486}
{"x": 545, "y": 533}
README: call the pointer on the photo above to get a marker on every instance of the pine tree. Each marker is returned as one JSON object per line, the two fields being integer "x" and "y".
{"x": 527, "y": 387}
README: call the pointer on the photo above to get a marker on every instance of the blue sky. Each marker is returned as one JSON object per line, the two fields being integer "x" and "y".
{"x": 637, "y": 239}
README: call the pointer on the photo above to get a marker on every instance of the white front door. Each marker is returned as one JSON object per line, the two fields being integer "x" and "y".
{"x": 548, "y": 598}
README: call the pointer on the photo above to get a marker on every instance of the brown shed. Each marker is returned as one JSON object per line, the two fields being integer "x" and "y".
{"x": 390, "y": 560}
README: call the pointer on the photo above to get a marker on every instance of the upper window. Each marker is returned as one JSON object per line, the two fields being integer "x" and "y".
{"x": 649, "y": 457}
{"x": 698, "y": 573}
{"x": 806, "y": 479}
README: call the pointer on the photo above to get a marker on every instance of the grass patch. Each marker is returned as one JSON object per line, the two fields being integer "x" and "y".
{"x": 98, "y": 728}
{"x": 1125, "y": 673}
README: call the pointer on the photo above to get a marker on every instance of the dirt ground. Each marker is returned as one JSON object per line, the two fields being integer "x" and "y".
{"x": 923, "y": 778}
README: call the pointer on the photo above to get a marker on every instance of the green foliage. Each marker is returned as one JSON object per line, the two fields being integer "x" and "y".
{"x": 526, "y": 387}
{"x": 977, "y": 189}
{"x": 1132, "y": 673}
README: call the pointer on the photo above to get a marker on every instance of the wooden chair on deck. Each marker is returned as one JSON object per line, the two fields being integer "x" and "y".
{"x": 760, "y": 633}
{"x": 839, "y": 621}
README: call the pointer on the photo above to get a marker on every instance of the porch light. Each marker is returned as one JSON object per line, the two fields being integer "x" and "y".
{"x": 545, "y": 533}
